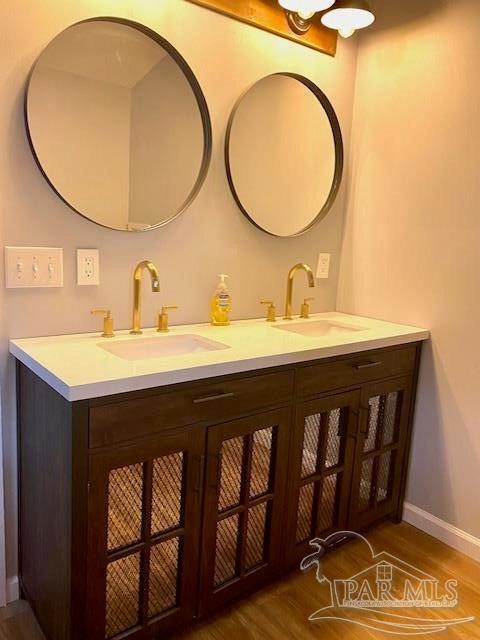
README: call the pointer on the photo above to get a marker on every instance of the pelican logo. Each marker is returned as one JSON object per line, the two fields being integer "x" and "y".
{"x": 372, "y": 597}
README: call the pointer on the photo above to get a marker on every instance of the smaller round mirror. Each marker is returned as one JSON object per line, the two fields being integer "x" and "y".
{"x": 284, "y": 154}
{"x": 118, "y": 124}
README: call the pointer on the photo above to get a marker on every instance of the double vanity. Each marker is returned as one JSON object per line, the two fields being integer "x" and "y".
{"x": 166, "y": 472}
{"x": 163, "y": 475}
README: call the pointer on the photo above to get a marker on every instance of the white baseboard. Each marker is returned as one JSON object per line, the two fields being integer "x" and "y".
{"x": 447, "y": 533}
{"x": 13, "y": 589}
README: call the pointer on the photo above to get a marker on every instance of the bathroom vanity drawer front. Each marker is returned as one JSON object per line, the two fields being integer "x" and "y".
{"x": 364, "y": 367}
{"x": 123, "y": 421}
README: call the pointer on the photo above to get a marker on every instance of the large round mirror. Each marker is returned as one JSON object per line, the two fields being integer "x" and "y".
{"x": 118, "y": 124}
{"x": 284, "y": 154}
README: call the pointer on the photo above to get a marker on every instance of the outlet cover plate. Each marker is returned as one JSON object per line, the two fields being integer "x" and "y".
{"x": 323, "y": 267}
{"x": 88, "y": 267}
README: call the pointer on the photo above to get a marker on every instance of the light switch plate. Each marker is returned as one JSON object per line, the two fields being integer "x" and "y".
{"x": 32, "y": 267}
{"x": 88, "y": 267}
{"x": 323, "y": 267}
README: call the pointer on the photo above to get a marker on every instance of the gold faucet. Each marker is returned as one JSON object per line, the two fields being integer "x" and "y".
{"x": 163, "y": 318}
{"x": 291, "y": 274}
{"x": 137, "y": 288}
{"x": 107, "y": 321}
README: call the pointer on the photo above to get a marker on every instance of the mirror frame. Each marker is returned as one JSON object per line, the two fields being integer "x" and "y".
{"x": 197, "y": 91}
{"x": 338, "y": 143}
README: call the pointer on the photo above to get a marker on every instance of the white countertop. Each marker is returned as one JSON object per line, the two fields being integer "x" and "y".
{"x": 78, "y": 368}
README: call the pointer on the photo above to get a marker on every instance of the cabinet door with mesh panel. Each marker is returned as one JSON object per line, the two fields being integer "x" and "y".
{"x": 380, "y": 453}
{"x": 246, "y": 469}
{"x": 144, "y": 531}
{"x": 320, "y": 473}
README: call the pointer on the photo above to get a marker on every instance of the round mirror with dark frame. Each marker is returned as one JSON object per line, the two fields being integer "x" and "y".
{"x": 118, "y": 124}
{"x": 284, "y": 154}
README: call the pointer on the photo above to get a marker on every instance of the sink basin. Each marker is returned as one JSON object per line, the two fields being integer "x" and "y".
{"x": 320, "y": 328}
{"x": 161, "y": 346}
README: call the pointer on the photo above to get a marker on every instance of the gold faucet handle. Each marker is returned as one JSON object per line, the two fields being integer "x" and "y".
{"x": 305, "y": 310}
{"x": 163, "y": 318}
{"x": 107, "y": 321}
{"x": 271, "y": 311}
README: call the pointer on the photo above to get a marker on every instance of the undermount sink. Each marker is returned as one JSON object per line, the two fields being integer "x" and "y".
{"x": 320, "y": 328}
{"x": 161, "y": 346}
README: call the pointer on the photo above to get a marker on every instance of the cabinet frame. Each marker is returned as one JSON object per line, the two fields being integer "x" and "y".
{"x": 57, "y": 464}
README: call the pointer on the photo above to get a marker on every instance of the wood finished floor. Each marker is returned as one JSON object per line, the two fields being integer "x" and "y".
{"x": 280, "y": 612}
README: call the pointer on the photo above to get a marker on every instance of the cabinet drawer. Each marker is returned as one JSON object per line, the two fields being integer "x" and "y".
{"x": 215, "y": 401}
{"x": 350, "y": 371}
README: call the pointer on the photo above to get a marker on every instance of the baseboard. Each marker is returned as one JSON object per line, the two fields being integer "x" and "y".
{"x": 13, "y": 589}
{"x": 447, "y": 533}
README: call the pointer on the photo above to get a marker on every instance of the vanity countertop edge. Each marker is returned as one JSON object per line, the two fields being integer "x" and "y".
{"x": 77, "y": 372}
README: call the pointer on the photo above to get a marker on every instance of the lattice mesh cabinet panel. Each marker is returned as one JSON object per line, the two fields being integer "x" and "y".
{"x": 375, "y": 416}
{"x": 261, "y": 462}
{"x": 164, "y": 573}
{"x": 311, "y": 439}
{"x": 231, "y": 473}
{"x": 123, "y": 591}
{"x": 333, "y": 452}
{"x": 385, "y": 468}
{"x": 226, "y": 550}
{"x": 167, "y": 493}
{"x": 392, "y": 404}
{"x": 328, "y": 505}
{"x": 304, "y": 512}
{"x": 255, "y": 551}
{"x": 125, "y": 495}
{"x": 366, "y": 484}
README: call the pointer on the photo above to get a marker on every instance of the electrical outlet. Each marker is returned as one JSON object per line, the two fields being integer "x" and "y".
{"x": 323, "y": 267}
{"x": 28, "y": 267}
{"x": 88, "y": 267}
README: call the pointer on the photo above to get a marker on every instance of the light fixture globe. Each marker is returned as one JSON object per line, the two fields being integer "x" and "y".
{"x": 305, "y": 8}
{"x": 349, "y": 15}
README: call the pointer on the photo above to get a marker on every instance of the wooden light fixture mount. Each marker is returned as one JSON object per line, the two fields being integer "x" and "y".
{"x": 269, "y": 16}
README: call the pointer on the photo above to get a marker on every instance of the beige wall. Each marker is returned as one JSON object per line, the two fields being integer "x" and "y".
{"x": 411, "y": 248}
{"x": 210, "y": 238}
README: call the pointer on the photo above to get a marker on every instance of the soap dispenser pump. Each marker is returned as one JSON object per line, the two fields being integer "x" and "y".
{"x": 221, "y": 304}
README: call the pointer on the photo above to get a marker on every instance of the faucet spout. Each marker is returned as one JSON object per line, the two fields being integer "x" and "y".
{"x": 137, "y": 290}
{"x": 291, "y": 275}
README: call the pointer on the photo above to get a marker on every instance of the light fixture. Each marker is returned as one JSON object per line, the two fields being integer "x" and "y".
{"x": 349, "y": 15}
{"x": 300, "y": 12}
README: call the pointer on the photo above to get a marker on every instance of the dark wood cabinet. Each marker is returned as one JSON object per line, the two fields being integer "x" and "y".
{"x": 143, "y": 511}
{"x": 246, "y": 472}
{"x": 323, "y": 448}
{"x": 144, "y": 522}
{"x": 383, "y": 428}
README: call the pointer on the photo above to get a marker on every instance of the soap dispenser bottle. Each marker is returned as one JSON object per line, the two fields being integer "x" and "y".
{"x": 221, "y": 304}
